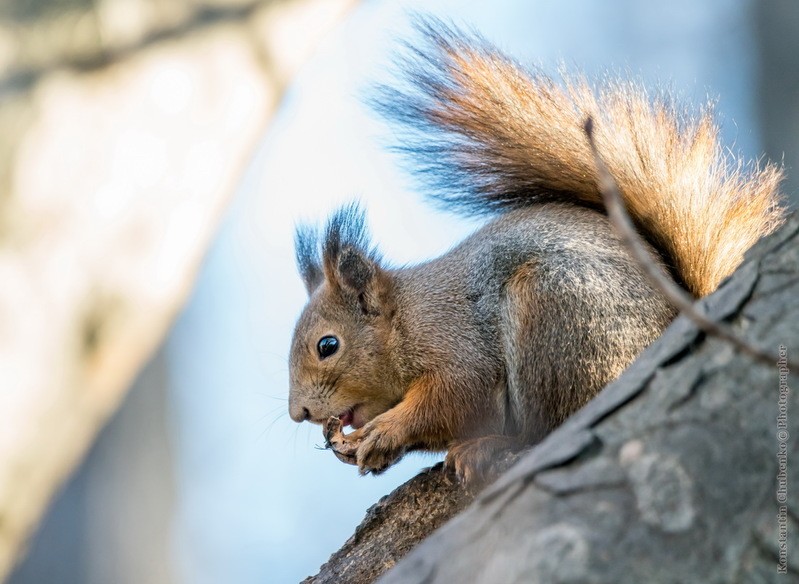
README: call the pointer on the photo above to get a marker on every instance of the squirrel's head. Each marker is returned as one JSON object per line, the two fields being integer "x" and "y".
{"x": 339, "y": 361}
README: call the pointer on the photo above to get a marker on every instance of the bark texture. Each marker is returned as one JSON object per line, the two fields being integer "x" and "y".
{"x": 393, "y": 526}
{"x": 672, "y": 474}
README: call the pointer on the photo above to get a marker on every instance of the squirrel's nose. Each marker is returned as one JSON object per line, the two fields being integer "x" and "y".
{"x": 298, "y": 412}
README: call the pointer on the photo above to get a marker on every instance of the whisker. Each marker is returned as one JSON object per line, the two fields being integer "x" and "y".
{"x": 269, "y": 427}
{"x": 333, "y": 384}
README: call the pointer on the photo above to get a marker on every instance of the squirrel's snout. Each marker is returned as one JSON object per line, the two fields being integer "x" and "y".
{"x": 298, "y": 412}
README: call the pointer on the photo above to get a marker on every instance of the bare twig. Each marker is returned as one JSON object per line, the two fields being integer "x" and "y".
{"x": 679, "y": 298}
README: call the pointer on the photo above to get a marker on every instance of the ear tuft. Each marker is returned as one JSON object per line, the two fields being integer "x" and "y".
{"x": 309, "y": 261}
{"x": 346, "y": 235}
{"x": 346, "y": 228}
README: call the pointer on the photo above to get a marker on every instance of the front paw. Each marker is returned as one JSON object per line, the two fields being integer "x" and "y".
{"x": 381, "y": 446}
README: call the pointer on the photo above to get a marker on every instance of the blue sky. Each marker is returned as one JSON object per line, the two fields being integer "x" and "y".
{"x": 257, "y": 502}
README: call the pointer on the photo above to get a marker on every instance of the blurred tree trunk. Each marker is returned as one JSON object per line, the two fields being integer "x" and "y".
{"x": 124, "y": 127}
{"x": 121, "y": 495}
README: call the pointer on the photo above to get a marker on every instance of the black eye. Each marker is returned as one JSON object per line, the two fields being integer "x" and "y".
{"x": 327, "y": 346}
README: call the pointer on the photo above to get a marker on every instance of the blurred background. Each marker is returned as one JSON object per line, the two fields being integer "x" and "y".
{"x": 201, "y": 477}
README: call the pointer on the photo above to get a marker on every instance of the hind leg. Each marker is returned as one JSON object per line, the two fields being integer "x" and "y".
{"x": 478, "y": 461}
{"x": 556, "y": 354}
{"x": 531, "y": 336}
{"x": 569, "y": 327}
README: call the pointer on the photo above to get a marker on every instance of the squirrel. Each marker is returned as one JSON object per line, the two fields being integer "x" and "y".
{"x": 492, "y": 345}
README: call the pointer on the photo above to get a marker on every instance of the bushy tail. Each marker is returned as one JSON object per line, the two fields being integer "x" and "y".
{"x": 489, "y": 135}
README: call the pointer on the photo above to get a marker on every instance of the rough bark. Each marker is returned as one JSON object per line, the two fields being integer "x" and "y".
{"x": 669, "y": 475}
{"x": 393, "y": 526}
{"x": 124, "y": 128}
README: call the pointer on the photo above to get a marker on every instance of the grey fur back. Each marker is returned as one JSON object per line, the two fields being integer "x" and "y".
{"x": 544, "y": 301}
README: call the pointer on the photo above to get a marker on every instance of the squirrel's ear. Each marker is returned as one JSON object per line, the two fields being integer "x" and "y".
{"x": 360, "y": 277}
{"x": 355, "y": 270}
{"x": 309, "y": 262}
{"x": 351, "y": 267}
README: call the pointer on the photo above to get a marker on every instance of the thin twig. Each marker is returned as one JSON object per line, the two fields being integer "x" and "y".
{"x": 679, "y": 298}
